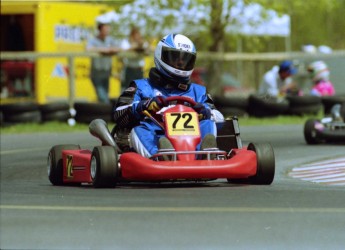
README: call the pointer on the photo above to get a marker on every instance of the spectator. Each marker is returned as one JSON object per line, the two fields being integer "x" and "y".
{"x": 174, "y": 59}
{"x": 133, "y": 66}
{"x": 101, "y": 66}
{"x": 319, "y": 74}
{"x": 278, "y": 81}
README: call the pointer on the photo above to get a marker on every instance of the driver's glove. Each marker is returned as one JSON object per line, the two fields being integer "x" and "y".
{"x": 204, "y": 112}
{"x": 152, "y": 105}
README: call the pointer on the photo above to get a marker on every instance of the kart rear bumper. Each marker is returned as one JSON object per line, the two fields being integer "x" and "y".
{"x": 135, "y": 167}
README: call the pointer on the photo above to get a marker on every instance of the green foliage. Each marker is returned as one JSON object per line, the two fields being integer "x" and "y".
{"x": 318, "y": 22}
{"x": 279, "y": 120}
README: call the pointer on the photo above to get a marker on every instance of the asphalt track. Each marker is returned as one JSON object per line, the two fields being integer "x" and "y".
{"x": 289, "y": 214}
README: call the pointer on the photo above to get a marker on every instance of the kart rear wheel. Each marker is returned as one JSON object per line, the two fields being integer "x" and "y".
{"x": 104, "y": 167}
{"x": 265, "y": 163}
{"x": 310, "y": 132}
{"x": 55, "y": 165}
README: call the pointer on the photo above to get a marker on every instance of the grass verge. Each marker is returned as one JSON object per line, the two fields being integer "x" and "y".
{"x": 58, "y": 127}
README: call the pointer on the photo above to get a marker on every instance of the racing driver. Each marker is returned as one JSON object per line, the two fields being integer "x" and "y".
{"x": 174, "y": 60}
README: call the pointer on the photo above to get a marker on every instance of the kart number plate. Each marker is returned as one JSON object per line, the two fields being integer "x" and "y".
{"x": 182, "y": 123}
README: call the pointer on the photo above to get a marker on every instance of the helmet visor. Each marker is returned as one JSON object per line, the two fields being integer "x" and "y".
{"x": 178, "y": 59}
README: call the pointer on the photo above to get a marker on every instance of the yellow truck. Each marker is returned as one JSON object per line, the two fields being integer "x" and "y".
{"x": 47, "y": 27}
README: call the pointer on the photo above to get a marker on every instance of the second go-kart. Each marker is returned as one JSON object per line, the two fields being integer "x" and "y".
{"x": 330, "y": 129}
{"x": 107, "y": 165}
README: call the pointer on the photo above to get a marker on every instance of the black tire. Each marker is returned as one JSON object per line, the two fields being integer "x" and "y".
{"x": 228, "y": 111}
{"x": 329, "y": 101}
{"x": 55, "y": 165}
{"x": 19, "y": 107}
{"x": 297, "y": 101}
{"x": 265, "y": 163}
{"x": 87, "y": 118}
{"x": 266, "y": 106}
{"x": 300, "y": 105}
{"x": 1, "y": 118}
{"x": 310, "y": 135}
{"x": 93, "y": 108}
{"x": 302, "y": 110}
{"x": 231, "y": 102}
{"x": 104, "y": 167}
{"x": 86, "y": 112}
{"x": 53, "y": 107}
{"x": 23, "y": 117}
{"x": 60, "y": 115}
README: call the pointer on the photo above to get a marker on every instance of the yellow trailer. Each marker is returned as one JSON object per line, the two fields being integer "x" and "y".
{"x": 43, "y": 26}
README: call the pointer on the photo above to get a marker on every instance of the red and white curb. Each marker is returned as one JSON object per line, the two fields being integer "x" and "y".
{"x": 330, "y": 172}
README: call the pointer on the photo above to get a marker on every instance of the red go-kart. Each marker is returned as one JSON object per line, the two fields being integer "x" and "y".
{"x": 107, "y": 165}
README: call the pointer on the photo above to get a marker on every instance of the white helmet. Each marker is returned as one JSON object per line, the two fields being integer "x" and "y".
{"x": 175, "y": 57}
{"x": 318, "y": 71}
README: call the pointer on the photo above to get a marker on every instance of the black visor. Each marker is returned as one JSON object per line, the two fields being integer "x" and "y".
{"x": 178, "y": 59}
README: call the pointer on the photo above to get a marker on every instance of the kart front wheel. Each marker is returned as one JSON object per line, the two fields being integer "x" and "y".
{"x": 309, "y": 132}
{"x": 104, "y": 167}
{"x": 55, "y": 164}
{"x": 265, "y": 163}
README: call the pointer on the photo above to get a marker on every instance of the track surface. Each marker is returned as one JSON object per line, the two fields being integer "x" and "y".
{"x": 289, "y": 214}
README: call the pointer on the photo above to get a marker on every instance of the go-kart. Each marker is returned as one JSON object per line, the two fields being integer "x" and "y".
{"x": 330, "y": 129}
{"x": 107, "y": 165}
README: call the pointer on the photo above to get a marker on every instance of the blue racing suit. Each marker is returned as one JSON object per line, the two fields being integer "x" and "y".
{"x": 145, "y": 133}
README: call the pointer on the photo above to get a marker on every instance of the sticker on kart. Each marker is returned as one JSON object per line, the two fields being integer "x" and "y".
{"x": 182, "y": 123}
{"x": 69, "y": 164}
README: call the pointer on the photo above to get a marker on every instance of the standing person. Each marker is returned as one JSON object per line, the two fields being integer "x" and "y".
{"x": 319, "y": 74}
{"x": 101, "y": 66}
{"x": 174, "y": 59}
{"x": 133, "y": 66}
{"x": 278, "y": 81}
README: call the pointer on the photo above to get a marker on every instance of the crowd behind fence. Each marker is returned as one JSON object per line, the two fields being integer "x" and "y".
{"x": 247, "y": 68}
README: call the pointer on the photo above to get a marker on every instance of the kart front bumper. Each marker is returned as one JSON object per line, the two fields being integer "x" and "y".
{"x": 242, "y": 164}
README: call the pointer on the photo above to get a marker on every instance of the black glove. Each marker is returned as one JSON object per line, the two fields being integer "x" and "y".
{"x": 152, "y": 105}
{"x": 204, "y": 112}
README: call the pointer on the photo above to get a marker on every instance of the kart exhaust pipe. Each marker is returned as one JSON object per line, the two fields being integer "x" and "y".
{"x": 99, "y": 129}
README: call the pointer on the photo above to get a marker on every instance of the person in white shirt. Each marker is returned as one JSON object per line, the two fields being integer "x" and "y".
{"x": 101, "y": 67}
{"x": 133, "y": 66}
{"x": 278, "y": 81}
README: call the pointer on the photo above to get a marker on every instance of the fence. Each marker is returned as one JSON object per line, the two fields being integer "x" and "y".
{"x": 247, "y": 68}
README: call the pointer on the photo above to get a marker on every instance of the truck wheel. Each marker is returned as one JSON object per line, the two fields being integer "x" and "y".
{"x": 265, "y": 163}
{"x": 104, "y": 167}
{"x": 55, "y": 164}
{"x": 310, "y": 132}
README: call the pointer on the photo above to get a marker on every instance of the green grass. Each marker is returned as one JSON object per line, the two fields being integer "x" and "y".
{"x": 58, "y": 127}
{"x": 55, "y": 127}
{"x": 278, "y": 120}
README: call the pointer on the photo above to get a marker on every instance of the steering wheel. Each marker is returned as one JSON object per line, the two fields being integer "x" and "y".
{"x": 180, "y": 100}
{"x": 177, "y": 99}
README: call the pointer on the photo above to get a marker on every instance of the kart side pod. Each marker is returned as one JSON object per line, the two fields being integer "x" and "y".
{"x": 228, "y": 134}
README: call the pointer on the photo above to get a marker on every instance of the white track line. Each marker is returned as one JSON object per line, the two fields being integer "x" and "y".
{"x": 330, "y": 172}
